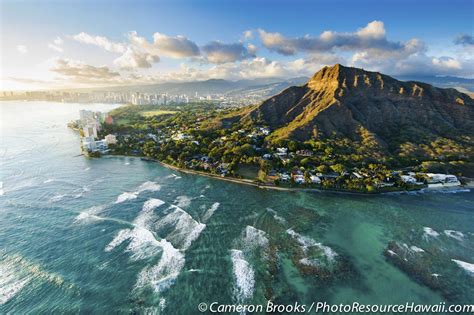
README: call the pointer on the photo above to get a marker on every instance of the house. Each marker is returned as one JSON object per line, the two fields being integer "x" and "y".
{"x": 299, "y": 179}
{"x": 306, "y": 153}
{"x": 90, "y": 130}
{"x": 284, "y": 177}
{"x": 408, "y": 179}
{"x": 315, "y": 179}
{"x": 267, "y": 156}
{"x": 110, "y": 139}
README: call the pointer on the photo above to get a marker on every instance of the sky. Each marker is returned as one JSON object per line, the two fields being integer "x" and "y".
{"x": 64, "y": 44}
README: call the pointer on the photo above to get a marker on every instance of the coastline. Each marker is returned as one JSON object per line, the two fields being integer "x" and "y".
{"x": 249, "y": 182}
{"x": 257, "y": 185}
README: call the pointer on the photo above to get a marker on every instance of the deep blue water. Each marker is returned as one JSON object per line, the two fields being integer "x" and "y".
{"x": 120, "y": 235}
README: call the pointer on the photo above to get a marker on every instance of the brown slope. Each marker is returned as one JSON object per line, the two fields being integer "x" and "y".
{"x": 342, "y": 100}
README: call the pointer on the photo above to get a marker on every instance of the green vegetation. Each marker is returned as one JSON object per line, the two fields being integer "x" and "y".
{"x": 202, "y": 138}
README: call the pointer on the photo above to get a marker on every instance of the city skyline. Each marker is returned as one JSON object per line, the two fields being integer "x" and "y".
{"x": 50, "y": 45}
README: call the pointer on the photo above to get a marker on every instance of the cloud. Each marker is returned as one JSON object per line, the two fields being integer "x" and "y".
{"x": 217, "y": 52}
{"x": 134, "y": 58}
{"x": 372, "y": 36}
{"x": 100, "y": 41}
{"x": 248, "y": 34}
{"x": 22, "y": 49}
{"x": 56, "y": 45}
{"x": 465, "y": 40}
{"x": 175, "y": 47}
{"x": 81, "y": 72}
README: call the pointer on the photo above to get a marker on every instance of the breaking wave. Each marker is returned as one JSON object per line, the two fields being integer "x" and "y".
{"x": 209, "y": 213}
{"x": 244, "y": 276}
{"x": 276, "y": 216}
{"x": 465, "y": 265}
{"x": 163, "y": 275}
{"x": 306, "y": 243}
{"x": 184, "y": 228}
{"x": 146, "y": 186}
{"x": 17, "y": 273}
{"x": 454, "y": 234}
{"x": 143, "y": 243}
{"x": 429, "y": 232}
{"x": 183, "y": 201}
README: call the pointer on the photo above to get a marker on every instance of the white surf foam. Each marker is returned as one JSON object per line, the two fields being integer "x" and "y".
{"x": 161, "y": 276}
{"x": 465, "y": 265}
{"x": 253, "y": 238}
{"x": 90, "y": 213}
{"x": 454, "y": 234}
{"x": 210, "y": 212}
{"x": 126, "y": 196}
{"x": 276, "y": 216}
{"x": 183, "y": 201}
{"x": 49, "y": 180}
{"x": 244, "y": 276}
{"x": 307, "y": 242}
{"x": 429, "y": 232}
{"x": 185, "y": 229}
{"x": 11, "y": 282}
{"x": 148, "y": 186}
{"x": 143, "y": 243}
{"x": 417, "y": 249}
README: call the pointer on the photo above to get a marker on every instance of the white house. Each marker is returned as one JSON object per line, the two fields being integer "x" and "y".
{"x": 315, "y": 179}
{"x": 90, "y": 130}
{"x": 408, "y": 179}
{"x": 110, "y": 139}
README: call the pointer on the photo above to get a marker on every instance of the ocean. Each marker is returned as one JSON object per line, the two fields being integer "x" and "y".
{"x": 122, "y": 235}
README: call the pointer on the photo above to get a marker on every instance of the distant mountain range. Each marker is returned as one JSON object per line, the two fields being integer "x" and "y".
{"x": 265, "y": 87}
{"x": 351, "y": 101}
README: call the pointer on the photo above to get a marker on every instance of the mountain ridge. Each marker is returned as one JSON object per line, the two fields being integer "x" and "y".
{"x": 346, "y": 100}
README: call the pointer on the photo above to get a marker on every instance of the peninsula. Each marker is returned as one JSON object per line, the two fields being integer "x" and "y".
{"x": 346, "y": 129}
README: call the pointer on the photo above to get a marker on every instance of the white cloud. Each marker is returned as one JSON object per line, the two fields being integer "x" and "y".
{"x": 134, "y": 58}
{"x": 248, "y": 34}
{"x": 372, "y": 36}
{"x": 100, "y": 41}
{"x": 217, "y": 52}
{"x": 79, "y": 71}
{"x": 56, "y": 45}
{"x": 22, "y": 49}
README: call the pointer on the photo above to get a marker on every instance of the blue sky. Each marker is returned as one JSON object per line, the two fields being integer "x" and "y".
{"x": 86, "y": 43}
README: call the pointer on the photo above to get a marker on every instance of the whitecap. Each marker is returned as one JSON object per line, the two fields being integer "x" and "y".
{"x": 186, "y": 229}
{"x": 11, "y": 282}
{"x": 163, "y": 275}
{"x": 252, "y": 238}
{"x": 148, "y": 186}
{"x": 465, "y": 265}
{"x": 417, "y": 249}
{"x": 276, "y": 216}
{"x": 429, "y": 232}
{"x": 183, "y": 201}
{"x": 57, "y": 197}
{"x": 87, "y": 168}
{"x": 142, "y": 245}
{"x": 307, "y": 242}
{"x": 49, "y": 180}
{"x": 454, "y": 234}
{"x": 244, "y": 276}
{"x": 210, "y": 212}
{"x": 126, "y": 196}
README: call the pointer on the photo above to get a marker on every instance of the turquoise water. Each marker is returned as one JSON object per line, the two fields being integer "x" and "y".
{"x": 120, "y": 235}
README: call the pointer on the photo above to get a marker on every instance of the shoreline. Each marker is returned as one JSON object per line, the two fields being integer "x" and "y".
{"x": 249, "y": 182}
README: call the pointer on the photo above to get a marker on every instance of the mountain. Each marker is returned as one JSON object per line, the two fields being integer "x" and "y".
{"x": 350, "y": 101}
{"x": 264, "y": 87}
{"x": 462, "y": 84}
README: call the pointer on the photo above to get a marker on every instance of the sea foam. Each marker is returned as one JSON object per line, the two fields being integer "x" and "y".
{"x": 210, "y": 212}
{"x": 244, "y": 276}
{"x": 454, "y": 234}
{"x": 465, "y": 265}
